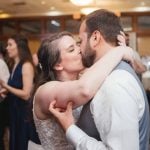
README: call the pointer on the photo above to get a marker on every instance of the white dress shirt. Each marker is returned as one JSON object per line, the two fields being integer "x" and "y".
{"x": 116, "y": 108}
{"x": 4, "y": 73}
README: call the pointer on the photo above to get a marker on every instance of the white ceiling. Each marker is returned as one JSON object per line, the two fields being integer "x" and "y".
{"x": 49, "y": 7}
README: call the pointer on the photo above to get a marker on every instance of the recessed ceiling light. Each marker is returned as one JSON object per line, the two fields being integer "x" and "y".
{"x": 43, "y": 2}
{"x": 142, "y": 8}
{"x": 81, "y": 2}
{"x": 52, "y": 8}
{"x": 142, "y": 3}
{"x": 5, "y": 15}
{"x": 88, "y": 10}
{"x": 54, "y": 13}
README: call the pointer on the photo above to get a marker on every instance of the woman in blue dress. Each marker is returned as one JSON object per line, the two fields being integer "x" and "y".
{"x": 18, "y": 91}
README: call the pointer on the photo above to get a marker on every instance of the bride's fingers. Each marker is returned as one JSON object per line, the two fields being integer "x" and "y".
{"x": 52, "y": 104}
{"x": 123, "y": 34}
{"x": 121, "y": 44}
{"x": 121, "y": 40}
{"x": 69, "y": 107}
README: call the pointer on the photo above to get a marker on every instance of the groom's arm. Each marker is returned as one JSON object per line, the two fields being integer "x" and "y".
{"x": 82, "y": 141}
{"x": 117, "y": 123}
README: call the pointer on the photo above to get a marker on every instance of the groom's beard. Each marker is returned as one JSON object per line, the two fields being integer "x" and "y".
{"x": 89, "y": 56}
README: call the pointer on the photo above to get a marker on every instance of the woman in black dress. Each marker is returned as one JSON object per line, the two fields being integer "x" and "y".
{"x": 19, "y": 88}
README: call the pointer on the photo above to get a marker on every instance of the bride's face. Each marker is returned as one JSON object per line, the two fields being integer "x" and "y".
{"x": 70, "y": 54}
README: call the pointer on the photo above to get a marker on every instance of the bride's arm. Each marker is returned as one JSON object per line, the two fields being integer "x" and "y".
{"x": 82, "y": 90}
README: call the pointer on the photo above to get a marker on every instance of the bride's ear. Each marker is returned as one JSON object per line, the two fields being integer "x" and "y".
{"x": 58, "y": 67}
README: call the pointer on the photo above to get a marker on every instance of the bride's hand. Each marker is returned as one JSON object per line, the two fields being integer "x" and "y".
{"x": 121, "y": 39}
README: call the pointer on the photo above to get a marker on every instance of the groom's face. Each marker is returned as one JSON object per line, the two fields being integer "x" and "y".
{"x": 88, "y": 54}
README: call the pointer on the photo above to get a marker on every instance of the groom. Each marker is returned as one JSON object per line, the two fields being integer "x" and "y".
{"x": 117, "y": 118}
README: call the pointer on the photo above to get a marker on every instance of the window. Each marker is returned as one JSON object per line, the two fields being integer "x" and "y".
{"x": 144, "y": 22}
{"x": 126, "y": 23}
{"x": 53, "y": 26}
{"x": 8, "y": 28}
{"x": 30, "y": 27}
{"x": 72, "y": 25}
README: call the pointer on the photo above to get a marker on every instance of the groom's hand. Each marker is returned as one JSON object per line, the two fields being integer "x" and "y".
{"x": 64, "y": 117}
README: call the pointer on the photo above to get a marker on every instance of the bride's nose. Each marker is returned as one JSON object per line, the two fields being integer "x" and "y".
{"x": 79, "y": 51}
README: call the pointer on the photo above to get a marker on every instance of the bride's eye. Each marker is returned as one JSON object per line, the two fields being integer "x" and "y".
{"x": 71, "y": 50}
{"x": 78, "y": 43}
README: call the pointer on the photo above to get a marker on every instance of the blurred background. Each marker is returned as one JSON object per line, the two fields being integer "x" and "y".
{"x": 36, "y": 18}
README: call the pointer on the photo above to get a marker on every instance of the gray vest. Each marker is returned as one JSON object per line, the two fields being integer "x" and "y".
{"x": 86, "y": 121}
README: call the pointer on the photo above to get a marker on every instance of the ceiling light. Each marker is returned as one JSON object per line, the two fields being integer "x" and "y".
{"x": 142, "y": 8}
{"x": 88, "y": 10}
{"x": 142, "y": 3}
{"x": 81, "y": 2}
{"x": 54, "y": 13}
{"x": 43, "y": 2}
{"x": 52, "y": 8}
{"x": 5, "y": 15}
{"x": 76, "y": 15}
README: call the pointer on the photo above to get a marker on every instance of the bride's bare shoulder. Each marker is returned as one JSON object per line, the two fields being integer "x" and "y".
{"x": 47, "y": 89}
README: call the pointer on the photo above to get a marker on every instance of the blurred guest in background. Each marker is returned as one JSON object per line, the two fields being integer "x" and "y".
{"x": 35, "y": 59}
{"x": 18, "y": 90}
{"x": 4, "y": 75}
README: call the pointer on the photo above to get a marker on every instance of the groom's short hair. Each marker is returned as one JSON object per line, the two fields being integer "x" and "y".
{"x": 106, "y": 22}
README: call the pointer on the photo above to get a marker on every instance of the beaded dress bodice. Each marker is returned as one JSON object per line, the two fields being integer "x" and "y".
{"x": 51, "y": 134}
